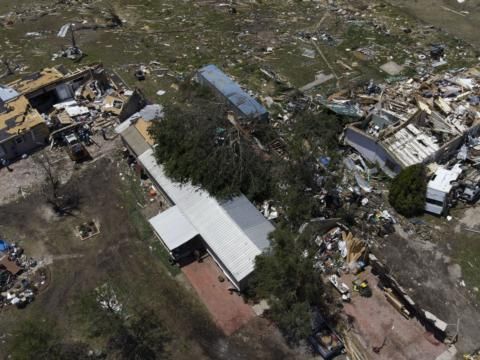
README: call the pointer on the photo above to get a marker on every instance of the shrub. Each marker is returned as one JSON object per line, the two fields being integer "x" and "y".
{"x": 407, "y": 191}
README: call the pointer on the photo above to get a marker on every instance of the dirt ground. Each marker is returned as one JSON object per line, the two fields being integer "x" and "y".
{"x": 121, "y": 257}
{"x": 432, "y": 261}
{"x": 377, "y": 321}
{"x": 26, "y": 176}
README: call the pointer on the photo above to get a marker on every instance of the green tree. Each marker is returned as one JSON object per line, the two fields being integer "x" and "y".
{"x": 408, "y": 190}
{"x": 320, "y": 129}
{"x": 285, "y": 275}
{"x": 196, "y": 143}
{"x": 140, "y": 335}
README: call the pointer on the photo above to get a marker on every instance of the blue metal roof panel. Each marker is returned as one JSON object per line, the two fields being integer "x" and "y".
{"x": 232, "y": 91}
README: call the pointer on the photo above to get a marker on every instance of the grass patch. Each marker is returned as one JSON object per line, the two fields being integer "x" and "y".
{"x": 133, "y": 198}
{"x": 467, "y": 254}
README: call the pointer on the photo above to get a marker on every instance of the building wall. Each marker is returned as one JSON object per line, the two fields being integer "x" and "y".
{"x": 135, "y": 103}
{"x": 25, "y": 143}
{"x": 372, "y": 151}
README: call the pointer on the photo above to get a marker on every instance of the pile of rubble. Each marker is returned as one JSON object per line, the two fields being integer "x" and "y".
{"x": 20, "y": 279}
{"x": 339, "y": 252}
{"x": 431, "y": 120}
{"x": 97, "y": 105}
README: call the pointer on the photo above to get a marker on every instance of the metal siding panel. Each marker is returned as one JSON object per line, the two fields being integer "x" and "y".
{"x": 8, "y": 93}
{"x": 232, "y": 91}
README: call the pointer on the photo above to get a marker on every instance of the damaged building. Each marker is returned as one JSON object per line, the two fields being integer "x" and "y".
{"x": 232, "y": 232}
{"x": 417, "y": 121}
{"x": 439, "y": 189}
{"x": 245, "y": 107}
{"x": 22, "y": 128}
{"x": 49, "y": 104}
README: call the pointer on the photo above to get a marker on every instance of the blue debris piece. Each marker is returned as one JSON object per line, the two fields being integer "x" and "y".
{"x": 4, "y": 246}
{"x": 325, "y": 160}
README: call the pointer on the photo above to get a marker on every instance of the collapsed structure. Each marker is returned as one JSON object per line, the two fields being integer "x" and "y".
{"x": 22, "y": 128}
{"x": 54, "y": 103}
{"x": 416, "y": 121}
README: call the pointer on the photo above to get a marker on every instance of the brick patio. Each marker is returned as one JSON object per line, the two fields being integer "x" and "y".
{"x": 228, "y": 311}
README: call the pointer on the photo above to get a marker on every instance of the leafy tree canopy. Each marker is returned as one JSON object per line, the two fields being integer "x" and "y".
{"x": 408, "y": 191}
{"x": 285, "y": 275}
{"x": 196, "y": 142}
{"x": 140, "y": 335}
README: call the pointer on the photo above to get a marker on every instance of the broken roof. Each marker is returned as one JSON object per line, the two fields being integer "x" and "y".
{"x": 20, "y": 116}
{"x": 37, "y": 80}
{"x": 414, "y": 119}
{"x": 410, "y": 145}
{"x": 135, "y": 140}
{"x": 142, "y": 127}
{"x": 443, "y": 178}
{"x": 248, "y": 106}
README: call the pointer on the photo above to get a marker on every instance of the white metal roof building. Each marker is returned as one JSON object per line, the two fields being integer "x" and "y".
{"x": 173, "y": 227}
{"x": 439, "y": 187}
{"x": 234, "y": 231}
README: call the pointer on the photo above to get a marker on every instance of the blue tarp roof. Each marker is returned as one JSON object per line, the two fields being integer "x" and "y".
{"x": 232, "y": 91}
{"x": 4, "y": 246}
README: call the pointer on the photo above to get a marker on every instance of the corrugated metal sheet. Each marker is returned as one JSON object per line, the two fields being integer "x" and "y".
{"x": 135, "y": 140}
{"x": 7, "y": 93}
{"x": 235, "y": 230}
{"x": 248, "y": 106}
{"x": 173, "y": 227}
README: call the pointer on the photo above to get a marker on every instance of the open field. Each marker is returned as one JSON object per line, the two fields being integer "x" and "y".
{"x": 179, "y": 37}
{"x": 462, "y": 22}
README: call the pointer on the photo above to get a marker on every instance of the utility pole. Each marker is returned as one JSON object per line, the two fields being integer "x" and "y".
{"x": 72, "y": 33}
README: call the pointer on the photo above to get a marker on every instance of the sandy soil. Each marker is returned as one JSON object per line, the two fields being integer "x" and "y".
{"x": 377, "y": 321}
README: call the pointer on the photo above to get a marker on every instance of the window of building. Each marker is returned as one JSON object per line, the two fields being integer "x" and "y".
{"x": 435, "y": 202}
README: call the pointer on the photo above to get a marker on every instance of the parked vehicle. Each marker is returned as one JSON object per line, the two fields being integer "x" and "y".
{"x": 324, "y": 341}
